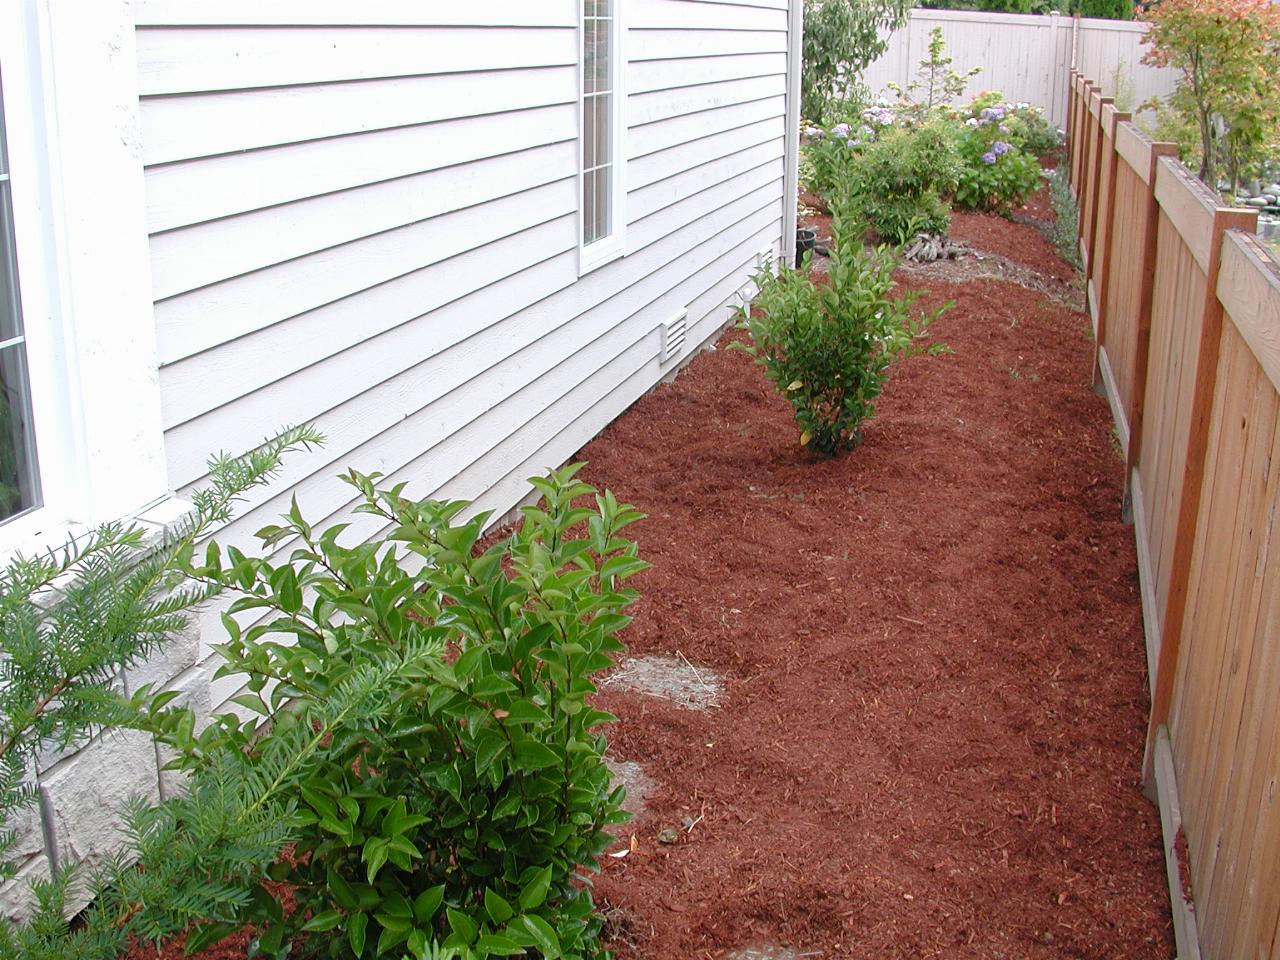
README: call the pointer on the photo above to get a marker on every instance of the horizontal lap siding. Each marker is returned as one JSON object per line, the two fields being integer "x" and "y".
{"x": 367, "y": 221}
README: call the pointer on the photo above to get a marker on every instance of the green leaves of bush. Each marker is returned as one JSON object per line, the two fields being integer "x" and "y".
{"x": 432, "y": 747}
{"x": 899, "y": 180}
{"x": 828, "y": 349}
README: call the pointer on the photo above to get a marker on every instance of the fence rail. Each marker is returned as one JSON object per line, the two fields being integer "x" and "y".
{"x": 1185, "y": 304}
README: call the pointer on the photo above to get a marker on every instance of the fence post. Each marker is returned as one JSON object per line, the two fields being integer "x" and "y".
{"x": 1146, "y": 294}
{"x": 1092, "y": 168}
{"x": 1070, "y": 124}
{"x": 1077, "y": 145}
{"x": 1102, "y": 234}
{"x": 1184, "y": 533}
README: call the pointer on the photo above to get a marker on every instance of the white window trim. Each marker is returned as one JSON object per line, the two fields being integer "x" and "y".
{"x": 72, "y": 112}
{"x": 610, "y": 248}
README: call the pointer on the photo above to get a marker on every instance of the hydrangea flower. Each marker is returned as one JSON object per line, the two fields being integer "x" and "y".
{"x": 988, "y": 158}
{"x": 840, "y": 130}
{"x": 1000, "y": 148}
{"x": 879, "y": 116}
{"x": 971, "y": 122}
{"x": 992, "y": 114}
{"x": 813, "y": 133}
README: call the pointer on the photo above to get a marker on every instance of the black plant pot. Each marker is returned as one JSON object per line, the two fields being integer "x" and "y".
{"x": 806, "y": 240}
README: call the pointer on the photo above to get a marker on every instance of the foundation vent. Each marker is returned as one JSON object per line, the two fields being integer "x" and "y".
{"x": 673, "y": 335}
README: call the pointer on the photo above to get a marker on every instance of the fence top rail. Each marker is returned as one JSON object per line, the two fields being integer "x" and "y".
{"x": 1195, "y": 210}
{"x": 1112, "y": 26}
{"x": 1111, "y": 117}
{"x": 1045, "y": 21}
{"x": 1097, "y": 101}
{"x": 1249, "y": 291}
{"x": 1139, "y": 151}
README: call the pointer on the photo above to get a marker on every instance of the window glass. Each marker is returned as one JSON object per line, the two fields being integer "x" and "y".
{"x": 19, "y": 486}
{"x": 597, "y": 119}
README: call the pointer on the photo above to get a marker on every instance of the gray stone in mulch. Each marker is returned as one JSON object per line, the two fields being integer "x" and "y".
{"x": 678, "y": 680}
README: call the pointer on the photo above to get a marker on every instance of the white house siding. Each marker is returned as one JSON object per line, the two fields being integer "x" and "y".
{"x": 373, "y": 226}
{"x": 366, "y": 215}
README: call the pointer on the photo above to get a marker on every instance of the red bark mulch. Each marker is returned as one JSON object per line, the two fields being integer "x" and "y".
{"x": 932, "y": 731}
{"x": 1020, "y": 242}
{"x": 935, "y": 697}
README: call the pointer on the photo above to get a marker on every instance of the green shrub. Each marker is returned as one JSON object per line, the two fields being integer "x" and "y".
{"x": 71, "y": 620}
{"x": 897, "y": 182}
{"x": 825, "y": 158}
{"x": 1066, "y": 217}
{"x": 1021, "y": 124}
{"x": 430, "y": 745}
{"x": 829, "y": 349}
{"x": 994, "y": 174}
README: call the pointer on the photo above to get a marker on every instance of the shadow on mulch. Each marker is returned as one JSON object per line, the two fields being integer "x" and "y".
{"x": 929, "y": 740}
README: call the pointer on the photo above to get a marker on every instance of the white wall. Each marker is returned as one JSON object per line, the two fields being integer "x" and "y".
{"x": 366, "y": 216}
{"x": 1026, "y": 57}
{"x": 374, "y": 227}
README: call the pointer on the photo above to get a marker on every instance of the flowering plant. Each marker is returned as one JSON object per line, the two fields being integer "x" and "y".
{"x": 828, "y": 153}
{"x": 995, "y": 174}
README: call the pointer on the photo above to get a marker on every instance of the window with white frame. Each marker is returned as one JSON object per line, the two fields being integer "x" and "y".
{"x": 601, "y": 132}
{"x": 19, "y": 478}
{"x": 78, "y": 359}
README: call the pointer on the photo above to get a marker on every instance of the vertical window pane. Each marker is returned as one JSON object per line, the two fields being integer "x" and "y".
{"x": 597, "y": 119}
{"x": 19, "y": 489}
{"x": 595, "y": 131}
{"x": 603, "y": 206}
{"x": 595, "y": 55}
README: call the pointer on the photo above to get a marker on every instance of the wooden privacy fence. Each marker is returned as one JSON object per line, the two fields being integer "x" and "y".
{"x": 1185, "y": 303}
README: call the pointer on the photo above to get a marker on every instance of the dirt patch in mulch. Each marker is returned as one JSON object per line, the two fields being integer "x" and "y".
{"x": 1020, "y": 242}
{"x": 992, "y": 266}
{"x": 930, "y": 736}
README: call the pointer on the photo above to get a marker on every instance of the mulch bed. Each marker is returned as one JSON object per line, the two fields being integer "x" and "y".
{"x": 930, "y": 735}
{"x": 930, "y": 738}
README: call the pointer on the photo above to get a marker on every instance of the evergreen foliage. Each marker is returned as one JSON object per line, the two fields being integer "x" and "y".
{"x": 71, "y": 620}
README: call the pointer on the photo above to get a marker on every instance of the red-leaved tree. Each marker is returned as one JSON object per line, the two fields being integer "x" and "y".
{"x": 1227, "y": 51}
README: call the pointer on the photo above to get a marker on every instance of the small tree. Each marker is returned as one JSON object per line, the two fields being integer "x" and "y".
{"x": 829, "y": 348}
{"x": 841, "y": 38}
{"x": 1226, "y": 51}
{"x": 939, "y": 82}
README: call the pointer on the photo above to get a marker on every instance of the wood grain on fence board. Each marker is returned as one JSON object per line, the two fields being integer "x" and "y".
{"x": 1182, "y": 383}
{"x": 1104, "y": 226}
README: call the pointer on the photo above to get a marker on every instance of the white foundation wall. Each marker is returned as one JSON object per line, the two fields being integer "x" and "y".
{"x": 365, "y": 216}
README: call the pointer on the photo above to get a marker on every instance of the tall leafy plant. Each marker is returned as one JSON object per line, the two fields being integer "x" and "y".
{"x": 937, "y": 81}
{"x": 841, "y": 38}
{"x": 428, "y": 740}
{"x": 829, "y": 348}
